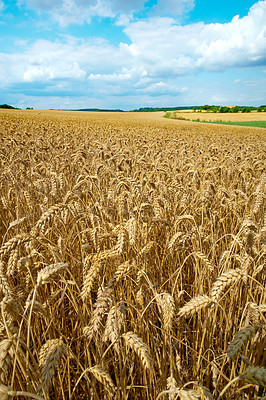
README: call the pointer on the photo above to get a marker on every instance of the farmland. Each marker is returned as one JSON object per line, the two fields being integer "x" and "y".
{"x": 251, "y": 119}
{"x": 132, "y": 258}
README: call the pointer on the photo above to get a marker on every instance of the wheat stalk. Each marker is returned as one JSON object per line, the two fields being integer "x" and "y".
{"x": 6, "y": 393}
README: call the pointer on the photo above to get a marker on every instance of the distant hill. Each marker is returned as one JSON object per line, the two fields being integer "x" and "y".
{"x": 154, "y": 109}
{"x": 99, "y": 110}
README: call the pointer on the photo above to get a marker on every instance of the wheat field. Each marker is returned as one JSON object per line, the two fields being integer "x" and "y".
{"x": 132, "y": 258}
{"x": 226, "y": 117}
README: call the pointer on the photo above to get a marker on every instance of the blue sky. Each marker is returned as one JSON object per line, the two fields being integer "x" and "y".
{"x": 132, "y": 53}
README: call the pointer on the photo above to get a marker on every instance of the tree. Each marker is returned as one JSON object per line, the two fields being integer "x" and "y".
{"x": 235, "y": 109}
{"x": 224, "y": 109}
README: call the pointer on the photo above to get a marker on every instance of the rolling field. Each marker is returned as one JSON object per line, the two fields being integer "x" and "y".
{"x": 253, "y": 119}
{"x": 132, "y": 258}
{"x": 211, "y": 116}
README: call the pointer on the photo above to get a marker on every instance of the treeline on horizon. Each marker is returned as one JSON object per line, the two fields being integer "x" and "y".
{"x": 205, "y": 108}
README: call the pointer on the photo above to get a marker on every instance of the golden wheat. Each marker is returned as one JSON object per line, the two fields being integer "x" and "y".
{"x": 132, "y": 255}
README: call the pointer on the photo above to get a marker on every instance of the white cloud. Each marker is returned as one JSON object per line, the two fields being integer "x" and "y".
{"x": 159, "y": 54}
{"x": 161, "y": 89}
{"x": 213, "y": 47}
{"x": 44, "y": 73}
{"x": 71, "y": 59}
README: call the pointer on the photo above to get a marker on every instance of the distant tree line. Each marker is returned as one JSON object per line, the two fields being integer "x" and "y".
{"x": 99, "y": 110}
{"x": 206, "y": 107}
{"x": 7, "y": 106}
{"x": 153, "y": 109}
{"x": 233, "y": 109}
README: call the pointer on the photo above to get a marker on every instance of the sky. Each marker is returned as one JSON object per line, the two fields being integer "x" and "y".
{"x": 71, "y": 54}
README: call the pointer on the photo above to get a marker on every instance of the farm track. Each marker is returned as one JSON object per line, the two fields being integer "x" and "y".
{"x": 132, "y": 258}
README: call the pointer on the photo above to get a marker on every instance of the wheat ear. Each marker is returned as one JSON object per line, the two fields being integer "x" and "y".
{"x": 102, "y": 304}
{"x": 122, "y": 270}
{"x": 102, "y": 376}
{"x": 240, "y": 340}
{"x": 90, "y": 277}
{"x": 205, "y": 259}
{"x": 226, "y": 279}
{"x": 49, "y": 359}
{"x": 174, "y": 239}
{"x": 50, "y": 272}
{"x": 113, "y": 326}
{"x": 166, "y": 304}
{"x": 172, "y": 386}
{"x": 13, "y": 243}
{"x": 6, "y": 355}
{"x": 254, "y": 375}
{"x": 142, "y": 350}
{"x": 204, "y": 393}
{"x": 194, "y": 305}
{"x": 4, "y": 284}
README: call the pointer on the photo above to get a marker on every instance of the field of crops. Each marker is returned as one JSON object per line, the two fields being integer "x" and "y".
{"x": 132, "y": 258}
{"x": 211, "y": 116}
{"x": 254, "y": 119}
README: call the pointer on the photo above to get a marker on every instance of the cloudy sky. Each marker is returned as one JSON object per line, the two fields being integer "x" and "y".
{"x": 132, "y": 53}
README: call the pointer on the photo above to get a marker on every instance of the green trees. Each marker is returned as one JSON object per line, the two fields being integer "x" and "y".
{"x": 224, "y": 109}
{"x": 246, "y": 109}
{"x": 7, "y": 106}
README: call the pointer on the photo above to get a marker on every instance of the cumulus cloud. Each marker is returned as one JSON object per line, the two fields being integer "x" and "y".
{"x": 42, "y": 73}
{"x": 158, "y": 54}
{"x": 181, "y": 49}
{"x": 162, "y": 88}
{"x": 69, "y": 65}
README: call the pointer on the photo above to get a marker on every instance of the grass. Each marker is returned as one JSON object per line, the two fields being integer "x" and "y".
{"x": 255, "y": 124}
{"x": 131, "y": 258}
